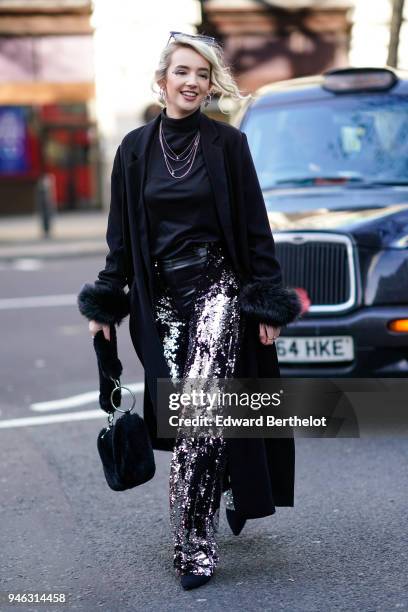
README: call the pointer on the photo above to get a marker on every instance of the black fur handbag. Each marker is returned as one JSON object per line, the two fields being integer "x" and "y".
{"x": 124, "y": 446}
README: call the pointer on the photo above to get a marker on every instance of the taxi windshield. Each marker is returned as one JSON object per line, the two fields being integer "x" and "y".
{"x": 353, "y": 140}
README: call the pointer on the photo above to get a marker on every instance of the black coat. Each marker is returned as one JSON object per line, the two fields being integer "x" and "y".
{"x": 261, "y": 470}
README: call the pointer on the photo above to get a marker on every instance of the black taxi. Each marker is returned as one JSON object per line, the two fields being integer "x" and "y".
{"x": 331, "y": 154}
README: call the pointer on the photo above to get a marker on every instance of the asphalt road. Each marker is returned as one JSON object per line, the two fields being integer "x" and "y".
{"x": 344, "y": 545}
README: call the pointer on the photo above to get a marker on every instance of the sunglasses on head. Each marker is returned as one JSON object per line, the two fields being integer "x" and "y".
{"x": 207, "y": 39}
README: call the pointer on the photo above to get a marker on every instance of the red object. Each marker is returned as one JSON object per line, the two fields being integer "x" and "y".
{"x": 71, "y": 168}
{"x": 304, "y": 299}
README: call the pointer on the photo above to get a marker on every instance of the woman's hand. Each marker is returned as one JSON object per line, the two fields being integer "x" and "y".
{"x": 94, "y": 327}
{"x": 268, "y": 333}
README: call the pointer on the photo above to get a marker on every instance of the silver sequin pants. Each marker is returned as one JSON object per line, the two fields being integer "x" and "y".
{"x": 201, "y": 339}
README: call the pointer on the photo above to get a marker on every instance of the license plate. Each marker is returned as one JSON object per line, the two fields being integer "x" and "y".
{"x": 312, "y": 349}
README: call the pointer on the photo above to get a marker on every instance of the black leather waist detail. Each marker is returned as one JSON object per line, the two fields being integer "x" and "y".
{"x": 182, "y": 274}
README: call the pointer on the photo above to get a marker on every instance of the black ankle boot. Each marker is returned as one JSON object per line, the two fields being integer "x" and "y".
{"x": 192, "y": 581}
{"x": 235, "y": 521}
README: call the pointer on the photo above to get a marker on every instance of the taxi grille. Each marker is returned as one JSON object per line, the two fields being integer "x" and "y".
{"x": 321, "y": 264}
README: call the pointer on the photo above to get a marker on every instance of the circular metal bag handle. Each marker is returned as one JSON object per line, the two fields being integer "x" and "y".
{"x": 119, "y": 386}
{"x": 115, "y": 408}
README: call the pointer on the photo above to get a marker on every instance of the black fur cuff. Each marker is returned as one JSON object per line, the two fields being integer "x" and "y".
{"x": 107, "y": 305}
{"x": 264, "y": 302}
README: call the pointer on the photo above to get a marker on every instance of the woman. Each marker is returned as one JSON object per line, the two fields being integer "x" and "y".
{"x": 188, "y": 233}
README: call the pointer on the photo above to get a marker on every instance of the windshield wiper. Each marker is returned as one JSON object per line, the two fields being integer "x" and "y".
{"x": 315, "y": 180}
{"x": 389, "y": 183}
{"x": 352, "y": 181}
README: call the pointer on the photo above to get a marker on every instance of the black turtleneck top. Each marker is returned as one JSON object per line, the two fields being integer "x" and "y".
{"x": 179, "y": 211}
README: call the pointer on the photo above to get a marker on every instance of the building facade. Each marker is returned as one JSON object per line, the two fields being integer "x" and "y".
{"x": 47, "y": 91}
{"x": 75, "y": 75}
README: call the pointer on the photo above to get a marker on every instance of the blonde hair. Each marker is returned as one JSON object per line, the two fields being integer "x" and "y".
{"x": 221, "y": 79}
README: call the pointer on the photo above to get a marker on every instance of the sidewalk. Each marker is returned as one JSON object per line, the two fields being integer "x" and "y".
{"x": 72, "y": 234}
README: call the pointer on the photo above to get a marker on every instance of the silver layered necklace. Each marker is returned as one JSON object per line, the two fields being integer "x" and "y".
{"x": 185, "y": 158}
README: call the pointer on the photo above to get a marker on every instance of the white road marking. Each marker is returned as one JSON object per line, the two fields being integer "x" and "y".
{"x": 53, "y": 418}
{"x": 79, "y": 400}
{"x": 38, "y": 301}
{"x": 27, "y": 265}
{"x": 68, "y": 402}
{"x": 22, "y": 265}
